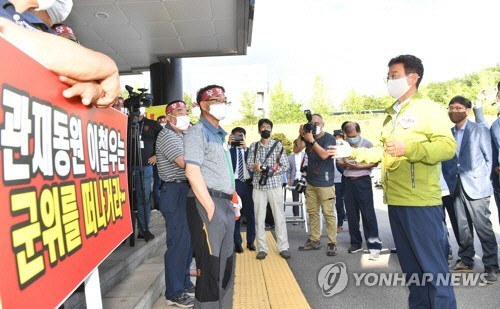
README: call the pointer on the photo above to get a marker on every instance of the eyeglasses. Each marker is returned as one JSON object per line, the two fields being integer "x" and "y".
{"x": 219, "y": 101}
{"x": 456, "y": 109}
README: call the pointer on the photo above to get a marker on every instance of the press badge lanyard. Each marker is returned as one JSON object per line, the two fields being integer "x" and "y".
{"x": 228, "y": 160}
{"x": 141, "y": 142}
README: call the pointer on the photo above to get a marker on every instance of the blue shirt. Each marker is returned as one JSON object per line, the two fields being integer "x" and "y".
{"x": 204, "y": 146}
{"x": 459, "y": 136}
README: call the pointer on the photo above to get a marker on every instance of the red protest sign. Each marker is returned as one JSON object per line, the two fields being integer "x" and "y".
{"x": 63, "y": 186}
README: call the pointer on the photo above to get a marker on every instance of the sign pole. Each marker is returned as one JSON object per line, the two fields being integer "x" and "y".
{"x": 93, "y": 290}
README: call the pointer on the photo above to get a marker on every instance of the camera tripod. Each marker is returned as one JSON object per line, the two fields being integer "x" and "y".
{"x": 134, "y": 165}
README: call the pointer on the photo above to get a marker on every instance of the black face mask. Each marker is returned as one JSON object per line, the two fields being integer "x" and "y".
{"x": 265, "y": 134}
{"x": 456, "y": 117}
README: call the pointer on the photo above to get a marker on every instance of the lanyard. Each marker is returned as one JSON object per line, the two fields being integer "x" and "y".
{"x": 228, "y": 160}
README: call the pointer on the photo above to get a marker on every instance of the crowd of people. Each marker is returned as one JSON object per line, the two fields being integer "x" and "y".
{"x": 206, "y": 178}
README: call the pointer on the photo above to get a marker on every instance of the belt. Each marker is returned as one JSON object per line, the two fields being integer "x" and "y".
{"x": 356, "y": 178}
{"x": 215, "y": 193}
{"x": 177, "y": 181}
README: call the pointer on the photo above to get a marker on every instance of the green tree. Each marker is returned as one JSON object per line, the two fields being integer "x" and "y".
{"x": 468, "y": 86}
{"x": 189, "y": 104}
{"x": 287, "y": 144}
{"x": 320, "y": 103}
{"x": 282, "y": 107}
{"x": 355, "y": 103}
{"x": 248, "y": 109}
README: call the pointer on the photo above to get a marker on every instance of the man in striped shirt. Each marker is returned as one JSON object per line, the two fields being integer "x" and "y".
{"x": 170, "y": 157}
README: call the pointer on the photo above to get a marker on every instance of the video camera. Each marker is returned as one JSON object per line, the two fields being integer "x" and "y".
{"x": 137, "y": 100}
{"x": 309, "y": 126}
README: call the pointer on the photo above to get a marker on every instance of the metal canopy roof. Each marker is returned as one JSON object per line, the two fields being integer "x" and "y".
{"x": 137, "y": 33}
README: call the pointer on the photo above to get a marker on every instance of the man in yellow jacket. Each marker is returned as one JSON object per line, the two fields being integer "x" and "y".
{"x": 415, "y": 140}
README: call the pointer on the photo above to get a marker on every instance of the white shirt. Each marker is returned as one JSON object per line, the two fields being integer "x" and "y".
{"x": 298, "y": 161}
{"x": 246, "y": 174}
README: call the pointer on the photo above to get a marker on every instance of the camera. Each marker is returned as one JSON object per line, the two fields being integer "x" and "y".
{"x": 302, "y": 183}
{"x": 309, "y": 126}
{"x": 137, "y": 100}
{"x": 264, "y": 175}
{"x": 237, "y": 139}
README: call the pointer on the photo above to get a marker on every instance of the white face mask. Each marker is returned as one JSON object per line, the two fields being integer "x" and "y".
{"x": 142, "y": 110}
{"x": 398, "y": 87}
{"x": 124, "y": 110}
{"x": 162, "y": 124}
{"x": 219, "y": 111}
{"x": 60, "y": 10}
{"x": 318, "y": 131}
{"x": 182, "y": 123}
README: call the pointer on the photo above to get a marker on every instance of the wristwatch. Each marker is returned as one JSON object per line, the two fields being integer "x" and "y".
{"x": 312, "y": 143}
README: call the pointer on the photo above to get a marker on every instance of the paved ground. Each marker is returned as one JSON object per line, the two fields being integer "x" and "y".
{"x": 307, "y": 265}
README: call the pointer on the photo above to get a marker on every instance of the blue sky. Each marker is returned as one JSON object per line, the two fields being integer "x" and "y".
{"x": 349, "y": 43}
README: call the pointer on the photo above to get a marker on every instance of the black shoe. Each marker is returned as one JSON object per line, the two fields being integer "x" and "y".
{"x": 393, "y": 250}
{"x": 238, "y": 248}
{"x": 148, "y": 236}
{"x": 140, "y": 235}
{"x": 190, "y": 291}
{"x": 183, "y": 301}
{"x": 261, "y": 255}
{"x": 285, "y": 254}
{"x": 490, "y": 275}
{"x": 331, "y": 249}
{"x": 353, "y": 249}
{"x": 251, "y": 246}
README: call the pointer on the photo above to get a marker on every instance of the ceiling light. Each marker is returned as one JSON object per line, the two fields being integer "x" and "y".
{"x": 102, "y": 15}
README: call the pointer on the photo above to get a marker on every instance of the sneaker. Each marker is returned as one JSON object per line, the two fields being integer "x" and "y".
{"x": 140, "y": 236}
{"x": 183, "y": 301}
{"x": 261, "y": 255}
{"x": 331, "y": 249}
{"x": 238, "y": 248}
{"x": 285, "y": 254}
{"x": 354, "y": 249}
{"x": 190, "y": 291}
{"x": 310, "y": 245}
{"x": 461, "y": 267}
{"x": 490, "y": 276}
{"x": 374, "y": 256}
{"x": 251, "y": 246}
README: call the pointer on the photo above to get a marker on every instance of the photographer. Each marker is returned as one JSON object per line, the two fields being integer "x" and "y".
{"x": 243, "y": 182}
{"x": 149, "y": 130}
{"x": 320, "y": 177}
{"x": 268, "y": 161}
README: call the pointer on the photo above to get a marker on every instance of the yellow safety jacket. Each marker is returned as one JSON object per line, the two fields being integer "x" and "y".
{"x": 413, "y": 180}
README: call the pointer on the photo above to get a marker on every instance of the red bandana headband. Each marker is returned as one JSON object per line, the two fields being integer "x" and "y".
{"x": 175, "y": 105}
{"x": 211, "y": 92}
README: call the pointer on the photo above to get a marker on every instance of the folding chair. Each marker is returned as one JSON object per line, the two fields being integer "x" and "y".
{"x": 302, "y": 218}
